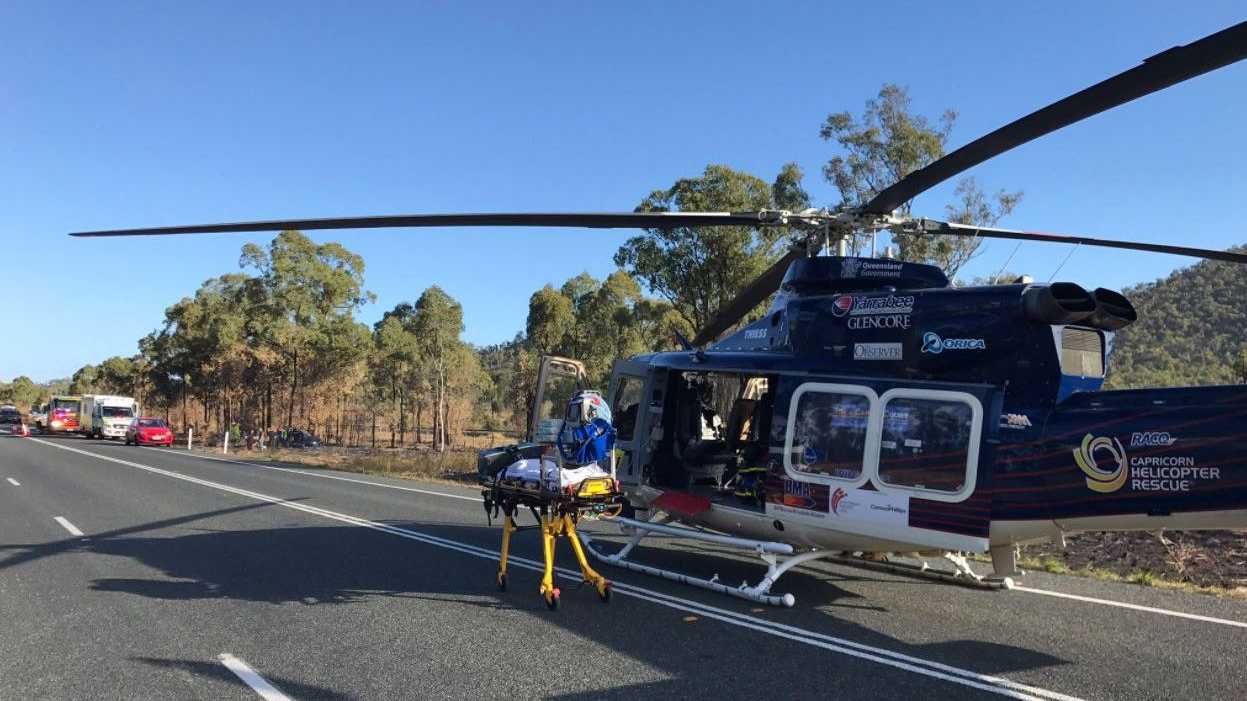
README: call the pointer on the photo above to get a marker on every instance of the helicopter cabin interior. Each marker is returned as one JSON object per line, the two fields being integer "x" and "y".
{"x": 714, "y": 432}
{"x": 718, "y": 434}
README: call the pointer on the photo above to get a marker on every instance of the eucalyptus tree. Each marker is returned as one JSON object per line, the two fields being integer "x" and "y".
{"x": 890, "y": 141}
{"x": 304, "y": 303}
{"x": 700, "y": 269}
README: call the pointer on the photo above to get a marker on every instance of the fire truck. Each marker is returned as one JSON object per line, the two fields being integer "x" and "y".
{"x": 63, "y": 414}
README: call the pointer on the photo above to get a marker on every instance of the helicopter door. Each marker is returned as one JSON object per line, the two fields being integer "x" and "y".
{"x": 630, "y": 385}
{"x": 897, "y": 468}
{"x": 558, "y": 380}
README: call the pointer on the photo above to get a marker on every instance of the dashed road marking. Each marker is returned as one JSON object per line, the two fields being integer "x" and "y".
{"x": 13, "y": 482}
{"x": 883, "y": 656}
{"x": 73, "y": 530}
{"x": 251, "y": 678}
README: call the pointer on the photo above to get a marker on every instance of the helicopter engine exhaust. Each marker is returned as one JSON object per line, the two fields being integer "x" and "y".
{"x": 1112, "y": 311}
{"x": 1059, "y": 303}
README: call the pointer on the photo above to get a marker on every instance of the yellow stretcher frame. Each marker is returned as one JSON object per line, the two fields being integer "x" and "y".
{"x": 558, "y": 514}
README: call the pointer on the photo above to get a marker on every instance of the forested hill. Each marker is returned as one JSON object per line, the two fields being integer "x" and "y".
{"x": 1192, "y": 329}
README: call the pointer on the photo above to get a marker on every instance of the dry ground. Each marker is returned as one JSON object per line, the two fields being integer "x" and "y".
{"x": 1208, "y": 559}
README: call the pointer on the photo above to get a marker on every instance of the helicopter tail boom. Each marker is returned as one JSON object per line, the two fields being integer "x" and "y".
{"x": 1147, "y": 459}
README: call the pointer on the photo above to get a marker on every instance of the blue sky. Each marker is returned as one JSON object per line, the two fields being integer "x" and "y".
{"x": 146, "y": 114}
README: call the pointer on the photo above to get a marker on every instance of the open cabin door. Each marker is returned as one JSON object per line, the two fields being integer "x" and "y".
{"x": 630, "y": 398}
{"x": 558, "y": 380}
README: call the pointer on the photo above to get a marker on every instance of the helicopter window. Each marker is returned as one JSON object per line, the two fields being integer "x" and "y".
{"x": 827, "y": 432}
{"x": 929, "y": 441}
{"x": 627, "y": 403}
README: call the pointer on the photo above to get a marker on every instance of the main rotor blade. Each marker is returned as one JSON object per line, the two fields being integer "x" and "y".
{"x": 754, "y": 294}
{"x": 939, "y": 227}
{"x": 1156, "y": 73}
{"x": 592, "y": 220}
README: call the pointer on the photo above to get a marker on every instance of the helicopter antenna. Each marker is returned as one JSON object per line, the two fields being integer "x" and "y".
{"x": 1008, "y": 260}
{"x": 1062, "y": 265}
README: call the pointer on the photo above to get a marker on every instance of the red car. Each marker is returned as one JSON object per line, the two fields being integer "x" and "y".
{"x": 149, "y": 430}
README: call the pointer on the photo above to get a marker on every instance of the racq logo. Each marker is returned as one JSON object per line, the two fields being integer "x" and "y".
{"x": 1151, "y": 439}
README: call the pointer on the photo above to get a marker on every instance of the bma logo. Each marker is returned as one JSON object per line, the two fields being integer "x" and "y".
{"x": 837, "y": 497}
{"x": 1015, "y": 421}
{"x": 1151, "y": 439}
{"x": 799, "y": 495}
{"x": 1112, "y": 476}
{"x": 842, "y": 305}
{"x": 932, "y": 343}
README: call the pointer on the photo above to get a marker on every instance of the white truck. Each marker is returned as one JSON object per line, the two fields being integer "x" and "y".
{"x": 107, "y": 416}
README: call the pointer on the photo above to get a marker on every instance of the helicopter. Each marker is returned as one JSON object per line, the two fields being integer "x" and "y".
{"x": 877, "y": 408}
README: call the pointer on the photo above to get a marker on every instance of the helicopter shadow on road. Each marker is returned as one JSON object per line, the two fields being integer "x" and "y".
{"x": 346, "y": 565}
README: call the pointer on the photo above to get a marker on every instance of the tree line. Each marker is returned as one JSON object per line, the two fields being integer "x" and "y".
{"x": 278, "y": 342}
{"x": 1192, "y": 330}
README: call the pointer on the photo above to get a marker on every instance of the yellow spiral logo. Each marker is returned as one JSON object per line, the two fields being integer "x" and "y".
{"x": 1099, "y": 479}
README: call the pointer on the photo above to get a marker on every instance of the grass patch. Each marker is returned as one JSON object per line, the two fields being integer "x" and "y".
{"x": 456, "y": 466}
{"x": 1142, "y": 578}
{"x": 1054, "y": 566}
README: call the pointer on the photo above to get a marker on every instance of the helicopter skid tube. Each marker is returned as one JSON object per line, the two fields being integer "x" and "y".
{"x": 760, "y": 546}
{"x": 759, "y": 593}
{"x": 925, "y": 571}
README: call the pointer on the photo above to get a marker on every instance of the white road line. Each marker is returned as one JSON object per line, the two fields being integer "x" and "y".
{"x": 1133, "y": 607}
{"x": 251, "y": 678}
{"x": 1087, "y": 599}
{"x": 73, "y": 530}
{"x": 333, "y": 477}
{"x": 917, "y": 665}
{"x": 13, "y": 482}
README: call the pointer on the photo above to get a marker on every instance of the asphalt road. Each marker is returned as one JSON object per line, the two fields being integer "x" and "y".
{"x": 335, "y": 586}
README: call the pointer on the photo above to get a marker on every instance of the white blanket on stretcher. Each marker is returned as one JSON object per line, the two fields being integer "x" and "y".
{"x": 534, "y": 470}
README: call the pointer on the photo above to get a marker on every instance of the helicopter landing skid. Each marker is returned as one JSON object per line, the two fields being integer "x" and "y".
{"x": 770, "y": 552}
{"x": 962, "y": 573}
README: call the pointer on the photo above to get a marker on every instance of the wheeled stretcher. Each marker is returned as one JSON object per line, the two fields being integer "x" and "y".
{"x": 558, "y": 498}
{"x": 560, "y": 487}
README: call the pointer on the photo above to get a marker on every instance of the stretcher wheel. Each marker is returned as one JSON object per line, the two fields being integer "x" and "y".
{"x": 552, "y": 599}
{"x": 502, "y": 581}
{"x": 604, "y": 592}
